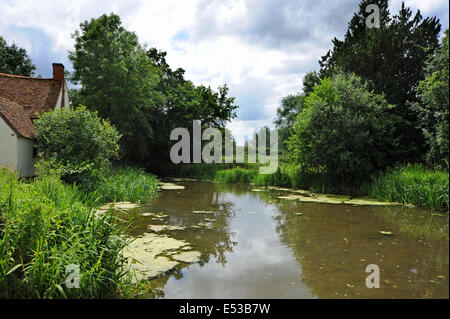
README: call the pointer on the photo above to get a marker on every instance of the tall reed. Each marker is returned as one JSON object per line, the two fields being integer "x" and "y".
{"x": 413, "y": 184}
{"x": 47, "y": 226}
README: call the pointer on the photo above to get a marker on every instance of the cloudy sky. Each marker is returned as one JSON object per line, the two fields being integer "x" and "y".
{"x": 260, "y": 48}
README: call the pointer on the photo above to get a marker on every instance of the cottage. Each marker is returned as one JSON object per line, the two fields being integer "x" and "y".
{"x": 22, "y": 100}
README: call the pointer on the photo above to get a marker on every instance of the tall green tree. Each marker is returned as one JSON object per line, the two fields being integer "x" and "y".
{"x": 185, "y": 102}
{"x": 137, "y": 90}
{"x": 119, "y": 81}
{"x": 433, "y": 106}
{"x": 344, "y": 131}
{"x": 391, "y": 57}
{"x": 15, "y": 60}
{"x": 290, "y": 106}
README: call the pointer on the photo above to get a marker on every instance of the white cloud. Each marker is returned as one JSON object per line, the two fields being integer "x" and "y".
{"x": 260, "y": 49}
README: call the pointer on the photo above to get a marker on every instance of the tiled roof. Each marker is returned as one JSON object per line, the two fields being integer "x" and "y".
{"x": 15, "y": 116}
{"x": 35, "y": 95}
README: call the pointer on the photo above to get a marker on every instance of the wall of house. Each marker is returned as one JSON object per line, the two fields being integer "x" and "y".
{"x": 25, "y": 157}
{"x": 8, "y": 146}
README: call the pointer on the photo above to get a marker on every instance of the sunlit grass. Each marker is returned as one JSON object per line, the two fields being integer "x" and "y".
{"x": 413, "y": 184}
{"x": 122, "y": 184}
{"x": 47, "y": 225}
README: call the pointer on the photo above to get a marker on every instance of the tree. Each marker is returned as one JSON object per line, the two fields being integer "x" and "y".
{"x": 309, "y": 81}
{"x": 434, "y": 105}
{"x": 138, "y": 92}
{"x": 119, "y": 81}
{"x": 344, "y": 131}
{"x": 15, "y": 60}
{"x": 392, "y": 58}
{"x": 76, "y": 143}
{"x": 291, "y": 106}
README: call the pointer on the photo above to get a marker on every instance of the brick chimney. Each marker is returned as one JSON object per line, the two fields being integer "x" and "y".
{"x": 58, "y": 71}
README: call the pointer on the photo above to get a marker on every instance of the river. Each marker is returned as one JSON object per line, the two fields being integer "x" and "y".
{"x": 254, "y": 244}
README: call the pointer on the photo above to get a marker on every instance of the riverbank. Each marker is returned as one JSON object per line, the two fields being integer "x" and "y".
{"x": 409, "y": 185}
{"x": 48, "y": 232}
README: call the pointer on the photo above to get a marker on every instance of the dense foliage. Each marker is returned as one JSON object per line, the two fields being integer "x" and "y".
{"x": 434, "y": 105}
{"x": 14, "y": 60}
{"x": 117, "y": 80}
{"x": 138, "y": 92}
{"x": 392, "y": 58}
{"x": 76, "y": 143}
{"x": 290, "y": 106}
{"x": 46, "y": 226}
{"x": 413, "y": 184}
{"x": 344, "y": 130}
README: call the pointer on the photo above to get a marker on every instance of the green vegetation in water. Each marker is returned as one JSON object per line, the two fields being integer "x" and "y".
{"x": 123, "y": 184}
{"x": 410, "y": 185}
{"x": 235, "y": 175}
{"x": 413, "y": 184}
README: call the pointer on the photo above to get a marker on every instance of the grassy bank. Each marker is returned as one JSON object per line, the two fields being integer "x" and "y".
{"x": 122, "y": 184}
{"x": 413, "y": 184}
{"x": 46, "y": 226}
{"x": 287, "y": 175}
{"x": 203, "y": 170}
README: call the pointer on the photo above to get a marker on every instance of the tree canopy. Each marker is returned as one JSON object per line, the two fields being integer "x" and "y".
{"x": 14, "y": 60}
{"x": 137, "y": 90}
{"x": 344, "y": 131}
{"x": 434, "y": 105}
{"x": 392, "y": 58}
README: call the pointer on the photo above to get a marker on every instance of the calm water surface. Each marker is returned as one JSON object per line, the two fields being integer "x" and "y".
{"x": 260, "y": 246}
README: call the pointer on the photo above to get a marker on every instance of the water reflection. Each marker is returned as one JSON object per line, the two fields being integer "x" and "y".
{"x": 262, "y": 247}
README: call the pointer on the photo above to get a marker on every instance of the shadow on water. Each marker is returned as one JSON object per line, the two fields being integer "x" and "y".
{"x": 260, "y": 246}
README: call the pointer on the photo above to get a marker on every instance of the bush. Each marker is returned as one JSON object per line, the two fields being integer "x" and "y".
{"x": 344, "y": 131}
{"x": 44, "y": 227}
{"x": 413, "y": 184}
{"x": 75, "y": 143}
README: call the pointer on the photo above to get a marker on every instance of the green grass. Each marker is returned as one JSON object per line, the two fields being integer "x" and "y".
{"x": 202, "y": 170}
{"x": 47, "y": 225}
{"x": 413, "y": 184}
{"x": 286, "y": 175}
{"x": 122, "y": 184}
{"x": 235, "y": 175}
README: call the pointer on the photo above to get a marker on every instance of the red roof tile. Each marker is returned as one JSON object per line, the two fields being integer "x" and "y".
{"x": 39, "y": 95}
{"x": 19, "y": 121}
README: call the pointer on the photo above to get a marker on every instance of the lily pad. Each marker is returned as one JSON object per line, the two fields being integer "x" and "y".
{"x": 202, "y": 212}
{"x": 144, "y": 254}
{"x": 170, "y": 186}
{"x": 187, "y": 256}
{"x": 159, "y": 228}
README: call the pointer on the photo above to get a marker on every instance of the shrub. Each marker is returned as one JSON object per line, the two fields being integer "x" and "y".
{"x": 344, "y": 132}
{"x": 75, "y": 143}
